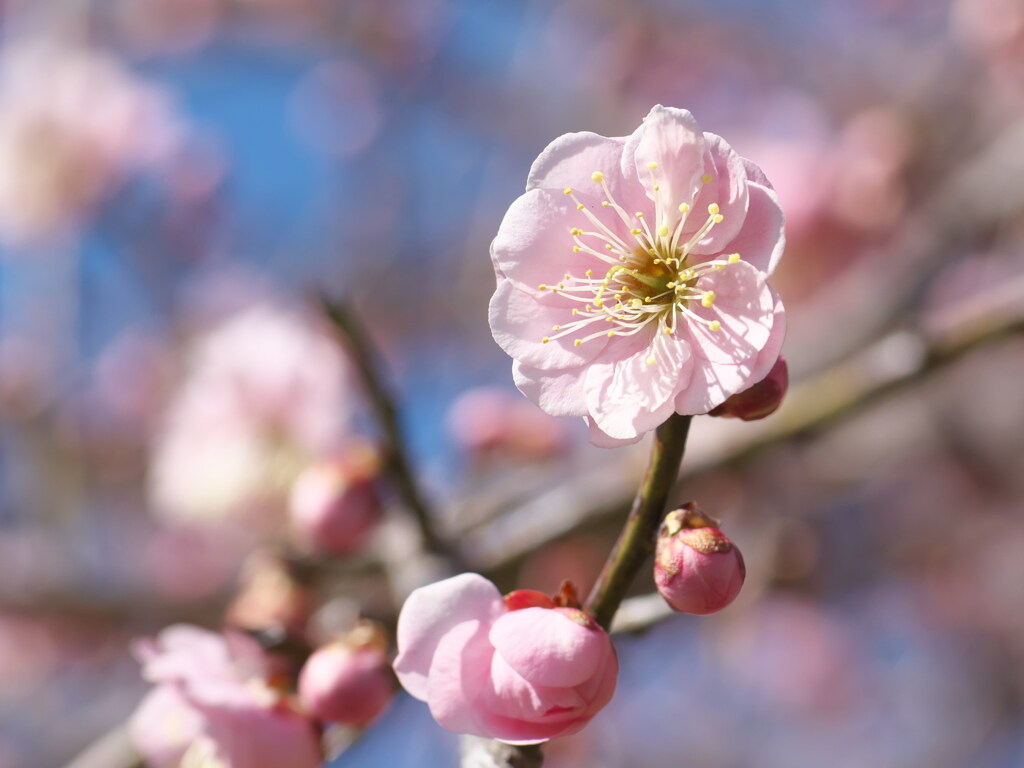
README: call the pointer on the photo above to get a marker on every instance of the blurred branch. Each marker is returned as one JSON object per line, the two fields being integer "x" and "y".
{"x": 364, "y": 356}
{"x": 111, "y": 750}
{"x": 893, "y": 364}
{"x": 636, "y": 541}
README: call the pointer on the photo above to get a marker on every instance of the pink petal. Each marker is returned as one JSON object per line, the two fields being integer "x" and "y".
{"x": 559, "y": 393}
{"x": 728, "y": 188}
{"x": 533, "y": 246}
{"x": 713, "y": 383}
{"x": 745, "y": 308}
{"x": 432, "y": 611}
{"x": 547, "y": 647}
{"x": 602, "y": 439}
{"x": 519, "y": 323}
{"x": 755, "y": 174}
{"x": 671, "y": 138}
{"x": 513, "y": 731}
{"x": 628, "y": 397}
{"x": 569, "y": 161}
{"x": 163, "y": 726}
{"x": 458, "y": 675}
{"x": 763, "y": 237}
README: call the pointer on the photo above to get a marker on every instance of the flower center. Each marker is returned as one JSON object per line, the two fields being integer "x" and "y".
{"x": 646, "y": 281}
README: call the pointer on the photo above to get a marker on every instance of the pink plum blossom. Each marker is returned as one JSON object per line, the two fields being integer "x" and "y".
{"x": 265, "y": 392}
{"x": 73, "y": 124}
{"x": 348, "y": 681}
{"x": 334, "y": 503}
{"x": 632, "y": 277}
{"x": 212, "y": 705}
{"x": 519, "y": 669}
{"x": 696, "y": 567}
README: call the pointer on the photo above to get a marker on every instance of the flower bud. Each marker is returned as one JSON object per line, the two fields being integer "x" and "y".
{"x": 760, "y": 400}
{"x": 349, "y": 680}
{"x": 334, "y": 503}
{"x": 696, "y": 567}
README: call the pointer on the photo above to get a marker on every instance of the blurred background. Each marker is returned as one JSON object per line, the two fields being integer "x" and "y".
{"x": 180, "y": 180}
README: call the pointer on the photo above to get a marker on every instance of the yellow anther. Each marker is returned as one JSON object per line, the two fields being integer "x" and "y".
{"x": 636, "y": 231}
{"x": 668, "y": 330}
{"x": 733, "y": 258}
{"x": 597, "y": 176}
{"x": 618, "y": 297}
{"x": 545, "y": 340}
{"x": 580, "y": 207}
{"x": 568, "y": 190}
{"x": 652, "y": 166}
{"x": 670, "y": 285}
{"x": 605, "y": 203}
{"x": 556, "y": 327}
{"x": 718, "y": 218}
{"x": 707, "y": 299}
{"x": 684, "y": 207}
{"x": 647, "y": 300}
{"x": 599, "y": 303}
{"x": 577, "y": 342}
{"x": 713, "y": 209}
{"x": 575, "y": 311}
{"x": 589, "y": 273}
{"x": 576, "y": 249}
{"x": 639, "y": 215}
{"x": 650, "y": 360}
{"x": 608, "y": 246}
{"x": 542, "y": 287}
{"x": 610, "y": 333}
{"x": 706, "y": 178}
{"x": 714, "y": 325}
{"x": 663, "y": 230}
{"x": 635, "y": 303}
{"x": 656, "y": 187}
{"x": 576, "y": 231}
{"x": 657, "y": 261}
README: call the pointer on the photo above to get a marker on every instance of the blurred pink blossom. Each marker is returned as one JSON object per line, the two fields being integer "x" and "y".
{"x": 213, "y": 703}
{"x": 334, "y": 503}
{"x": 73, "y": 124}
{"x": 632, "y": 277}
{"x": 487, "y": 420}
{"x": 349, "y": 680}
{"x": 522, "y": 673}
{"x": 265, "y": 392}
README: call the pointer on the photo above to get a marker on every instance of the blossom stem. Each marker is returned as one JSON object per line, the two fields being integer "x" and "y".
{"x": 636, "y": 541}
{"x": 364, "y": 357}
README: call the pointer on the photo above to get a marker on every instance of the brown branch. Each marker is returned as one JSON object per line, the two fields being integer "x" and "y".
{"x": 364, "y": 356}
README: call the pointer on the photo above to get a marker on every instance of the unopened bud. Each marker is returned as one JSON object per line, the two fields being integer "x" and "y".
{"x": 760, "y": 400}
{"x": 696, "y": 567}
{"x": 349, "y": 680}
{"x": 334, "y": 503}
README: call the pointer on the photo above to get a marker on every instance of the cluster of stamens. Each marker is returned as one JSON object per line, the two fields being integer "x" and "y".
{"x": 648, "y": 281}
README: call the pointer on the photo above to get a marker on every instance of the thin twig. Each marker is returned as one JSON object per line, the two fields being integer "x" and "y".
{"x": 636, "y": 541}
{"x": 364, "y": 357}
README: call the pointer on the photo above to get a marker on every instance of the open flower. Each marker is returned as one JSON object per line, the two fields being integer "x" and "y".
{"x": 519, "y": 669}
{"x": 632, "y": 276}
{"x": 212, "y": 706}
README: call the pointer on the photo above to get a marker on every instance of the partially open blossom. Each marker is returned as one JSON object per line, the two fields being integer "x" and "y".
{"x": 349, "y": 680}
{"x": 334, "y": 502}
{"x": 212, "y": 705}
{"x": 521, "y": 669}
{"x": 632, "y": 276}
{"x": 761, "y": 399}
{"x": 696, "y": 567}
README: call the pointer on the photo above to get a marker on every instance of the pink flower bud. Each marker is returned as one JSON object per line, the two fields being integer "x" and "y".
{"x": 760, "y": 400}
{"x": 522, "y": 669}
{"x": 696, "y": 567}
{"x": 334, "y": 504}
{"x": 348, "y": 681}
